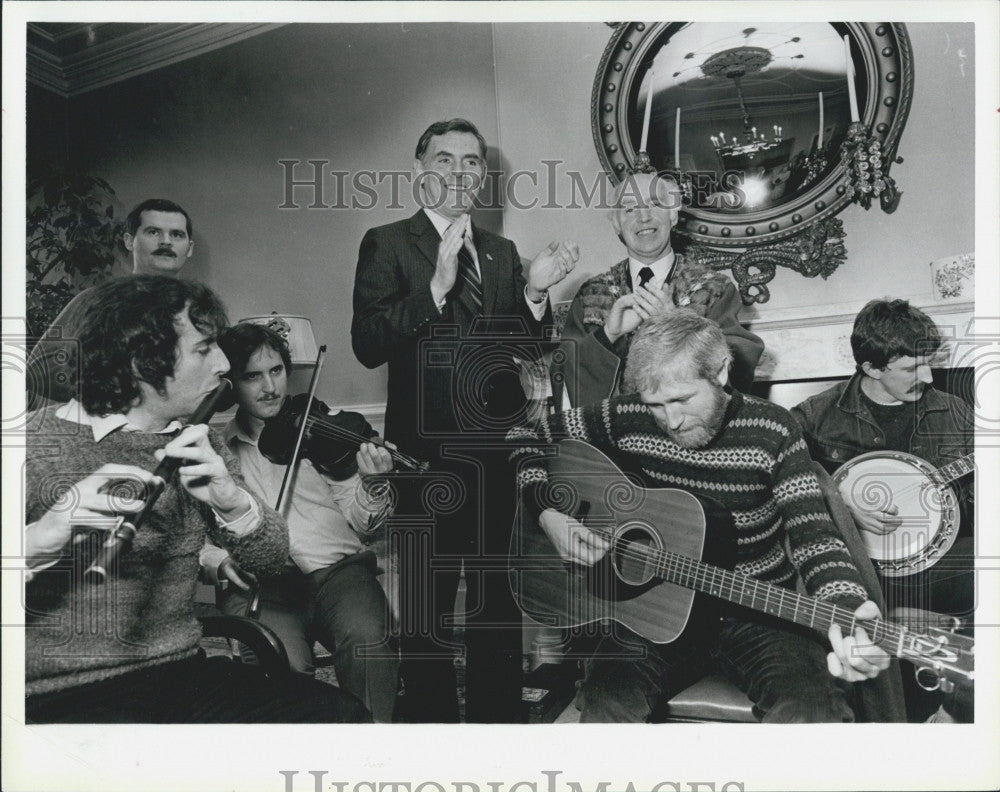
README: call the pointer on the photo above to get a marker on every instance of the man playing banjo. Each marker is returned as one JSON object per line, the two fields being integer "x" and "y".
{"x": 889, "y": 406}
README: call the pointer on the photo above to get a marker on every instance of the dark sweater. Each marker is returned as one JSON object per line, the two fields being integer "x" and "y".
{"x": 757, "y": 467}
{"x": 78, "y": 633}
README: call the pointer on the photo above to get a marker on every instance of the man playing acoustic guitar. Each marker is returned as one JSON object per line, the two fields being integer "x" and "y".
{"x": 681, "y": 426}
{"x": 889, "y": 405}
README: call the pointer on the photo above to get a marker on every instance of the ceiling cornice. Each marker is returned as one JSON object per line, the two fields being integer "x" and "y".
{"x": 143, "y": 49}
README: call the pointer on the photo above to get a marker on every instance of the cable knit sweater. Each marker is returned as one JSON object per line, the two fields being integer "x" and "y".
{"x": 757, "y": 467}
{"x": 78, "y": 633}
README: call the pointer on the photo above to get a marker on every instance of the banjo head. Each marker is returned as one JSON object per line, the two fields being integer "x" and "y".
{"x": 929, "y": 511}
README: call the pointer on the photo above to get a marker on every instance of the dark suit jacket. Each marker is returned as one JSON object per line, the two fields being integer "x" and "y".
{"x": 451, "y": 375}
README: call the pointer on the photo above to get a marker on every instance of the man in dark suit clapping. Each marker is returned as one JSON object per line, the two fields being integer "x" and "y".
{"x": 448, "y": 306}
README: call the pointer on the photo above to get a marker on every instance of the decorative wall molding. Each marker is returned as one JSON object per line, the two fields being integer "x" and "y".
{"x": 57, "y": 62}
{"x": 374, "y": 413}
{"x": 802, "y": 346}
{"x": 838, "y": 313}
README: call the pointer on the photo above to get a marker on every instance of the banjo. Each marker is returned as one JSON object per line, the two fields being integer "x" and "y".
{"x": 926, "y": 504}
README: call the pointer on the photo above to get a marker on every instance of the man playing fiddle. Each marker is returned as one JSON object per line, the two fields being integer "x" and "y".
{"x": 128, "y": 651}
{"x": 328, "y": 589}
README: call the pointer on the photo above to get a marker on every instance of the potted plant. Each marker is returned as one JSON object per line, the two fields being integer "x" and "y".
{"x": 72, "y": 243}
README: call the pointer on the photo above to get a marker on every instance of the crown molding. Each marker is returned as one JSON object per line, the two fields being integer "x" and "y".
{"x": 135, "y": 52}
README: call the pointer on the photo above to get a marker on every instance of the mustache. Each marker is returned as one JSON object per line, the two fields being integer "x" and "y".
{"x": 163, "y": 251}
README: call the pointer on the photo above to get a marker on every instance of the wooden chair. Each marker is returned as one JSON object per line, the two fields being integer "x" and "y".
{"x": 267, "y": 649}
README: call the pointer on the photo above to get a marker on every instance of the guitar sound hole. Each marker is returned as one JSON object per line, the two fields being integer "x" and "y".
{"x": 635, "y": 553}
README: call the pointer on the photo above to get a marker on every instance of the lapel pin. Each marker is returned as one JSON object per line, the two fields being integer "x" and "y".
{"x": 489, "y": 257}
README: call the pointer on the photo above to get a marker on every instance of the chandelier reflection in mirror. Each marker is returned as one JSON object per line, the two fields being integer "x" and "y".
{"x": 773, "y": 128}
{"x": 758, "y": 109}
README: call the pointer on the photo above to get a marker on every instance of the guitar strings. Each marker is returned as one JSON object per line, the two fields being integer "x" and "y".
{"x": 901, "y": 641}
{"x": 663, "y": 559}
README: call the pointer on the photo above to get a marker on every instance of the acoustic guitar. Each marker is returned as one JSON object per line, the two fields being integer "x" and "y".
{"x": 648, "y": 578}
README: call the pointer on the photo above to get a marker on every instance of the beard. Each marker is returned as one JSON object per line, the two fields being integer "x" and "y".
{"x": 700, "y": 434}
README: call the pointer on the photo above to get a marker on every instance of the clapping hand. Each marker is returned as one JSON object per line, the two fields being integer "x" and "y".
{"x": 631, "y": 310}
{"x": 446, "y": 266}
{"x": 551, "y": 266}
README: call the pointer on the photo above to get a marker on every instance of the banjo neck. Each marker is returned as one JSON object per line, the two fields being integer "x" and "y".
{"x": 954, "y": 470}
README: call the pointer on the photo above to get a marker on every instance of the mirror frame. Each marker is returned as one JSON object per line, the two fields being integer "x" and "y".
{"x": 883, "y": 59}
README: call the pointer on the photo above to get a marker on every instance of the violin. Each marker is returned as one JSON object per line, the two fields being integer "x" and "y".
{"x": 330, "y": 442}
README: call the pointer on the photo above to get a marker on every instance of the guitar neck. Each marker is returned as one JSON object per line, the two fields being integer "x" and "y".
{"x": 774, "y": 600}
{"x": 954, "y": 470}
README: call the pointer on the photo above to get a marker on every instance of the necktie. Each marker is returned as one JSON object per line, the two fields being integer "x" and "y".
{"x": 645, "y": 276}
{"x": 470, "y": 288}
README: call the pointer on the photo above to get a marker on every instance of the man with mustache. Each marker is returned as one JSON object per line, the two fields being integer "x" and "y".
{"x": 678, "y": 424}
{"x": 158, "y": 235}
{"x": 608, "y": 308}
{"x": 127, "y": 651}
{"x": 890, "y": 405}
{"x": 328, "y": 588}
{"x": 447, "y": 305}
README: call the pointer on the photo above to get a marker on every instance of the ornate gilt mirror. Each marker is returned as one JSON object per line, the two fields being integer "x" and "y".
{"x": 758, "y": 121}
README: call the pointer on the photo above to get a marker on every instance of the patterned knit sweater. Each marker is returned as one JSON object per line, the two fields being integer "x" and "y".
{"x": 757, "y": 467}
{"x": 78, "y": 633}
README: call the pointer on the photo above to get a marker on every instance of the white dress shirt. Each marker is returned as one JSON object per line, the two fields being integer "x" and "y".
{"x": 662, "y": 269}
{"x": 327, "y": 519}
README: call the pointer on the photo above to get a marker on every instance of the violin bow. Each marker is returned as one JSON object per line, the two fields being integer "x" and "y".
{"x": 302, "y": 429}
{"x": 254, "y": 603}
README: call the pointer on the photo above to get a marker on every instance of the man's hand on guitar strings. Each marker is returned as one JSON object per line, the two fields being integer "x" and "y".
{"x": 855, "y": 657}
{"x": 572, "y": 539}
